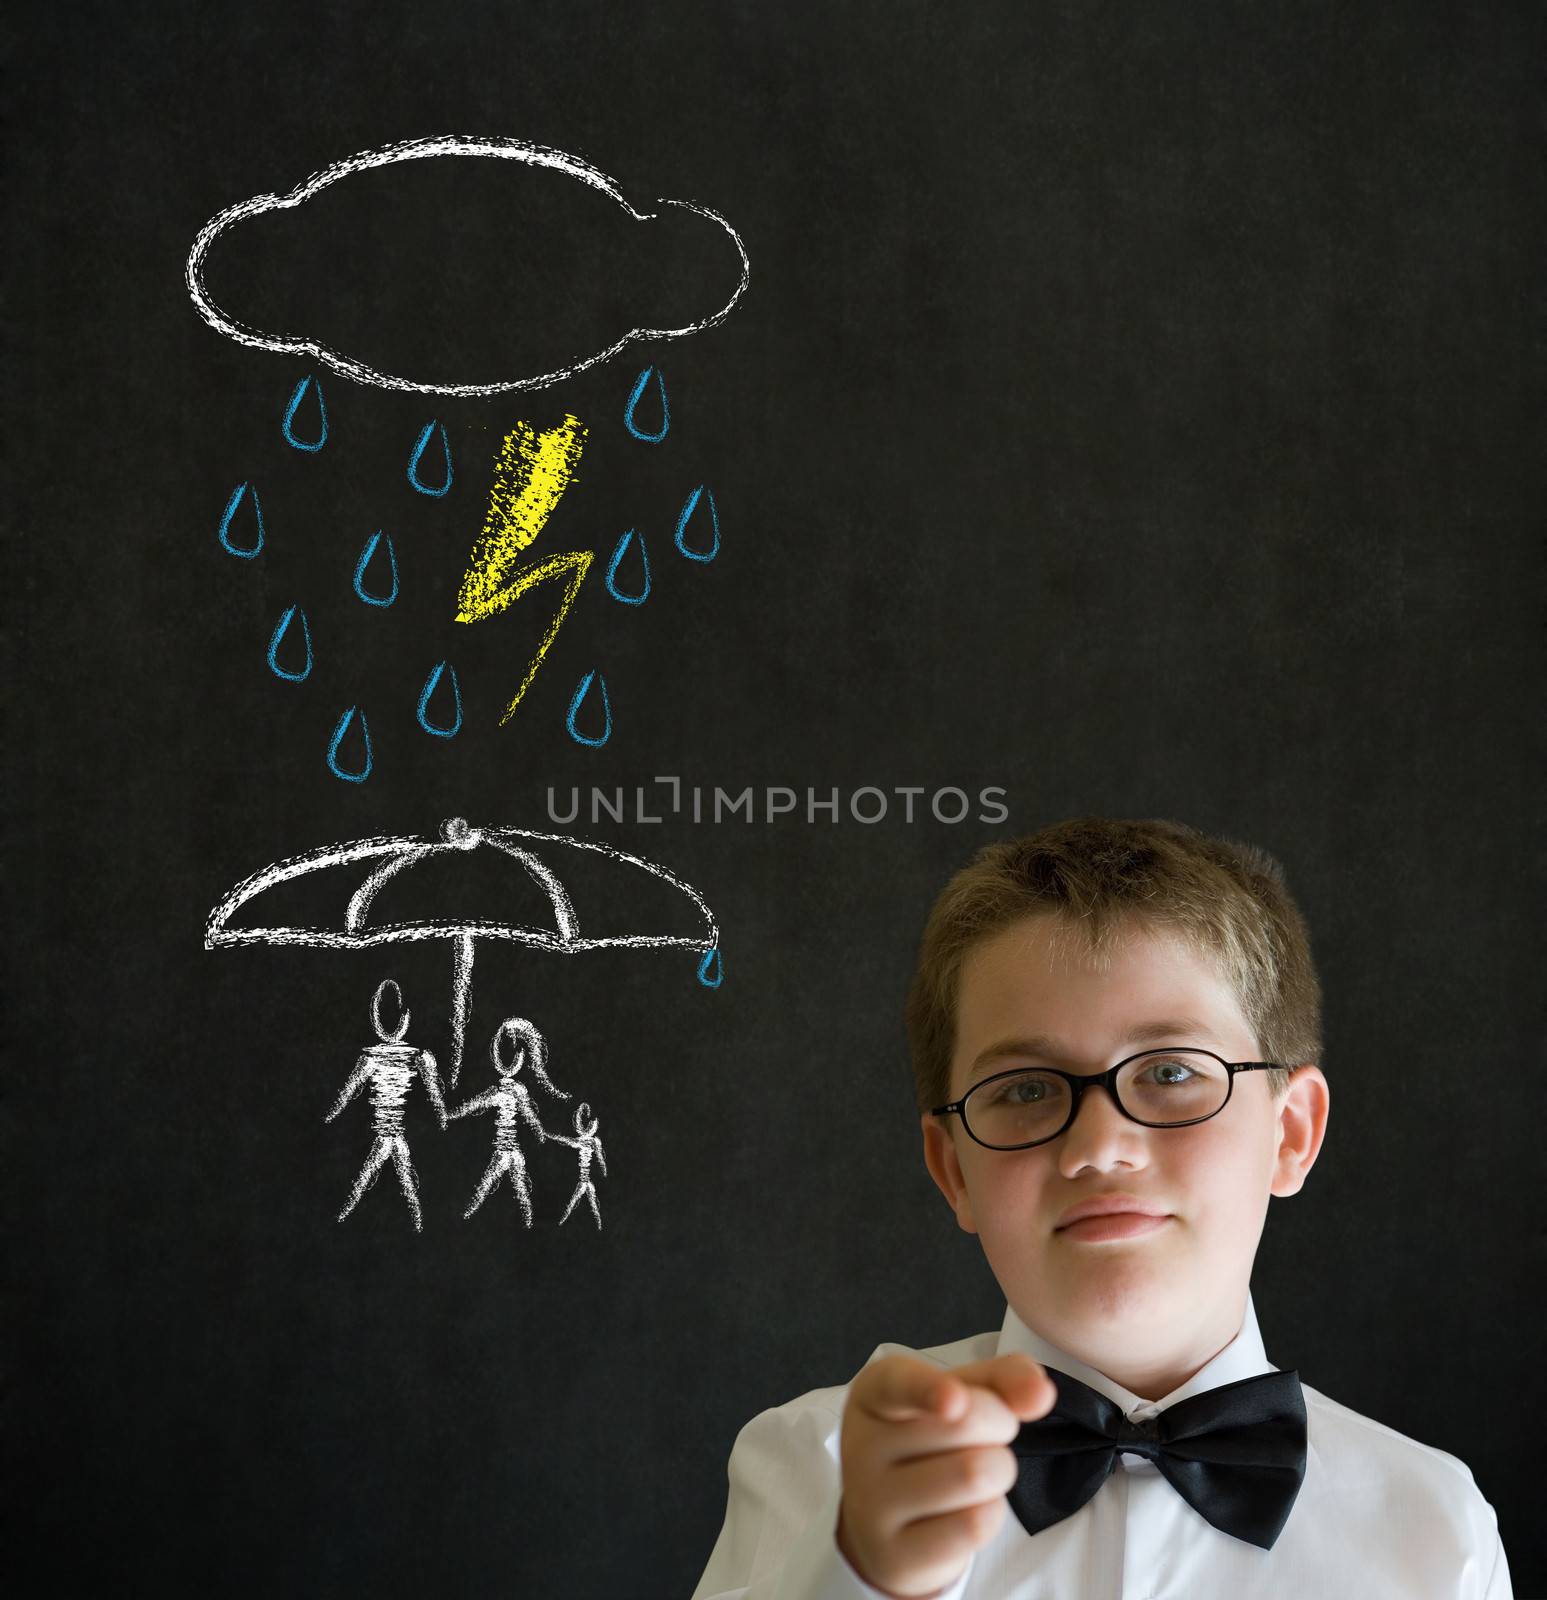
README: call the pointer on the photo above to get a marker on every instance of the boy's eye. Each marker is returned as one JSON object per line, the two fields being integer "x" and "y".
{"x": 1171, "y": 1071}
{"x": 1028, "y": 1091}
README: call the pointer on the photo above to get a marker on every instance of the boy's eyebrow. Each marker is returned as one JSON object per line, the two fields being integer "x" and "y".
{"x": 1044, "y": 1044}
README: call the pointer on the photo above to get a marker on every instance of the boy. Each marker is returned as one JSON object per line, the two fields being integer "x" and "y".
{"x": 1114, "y": 1029}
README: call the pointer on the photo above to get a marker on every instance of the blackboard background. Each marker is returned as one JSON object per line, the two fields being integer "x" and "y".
{"x": 1135, "y": 409}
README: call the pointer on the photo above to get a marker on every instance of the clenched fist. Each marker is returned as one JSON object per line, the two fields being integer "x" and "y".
{"x": 926, "y": 1465}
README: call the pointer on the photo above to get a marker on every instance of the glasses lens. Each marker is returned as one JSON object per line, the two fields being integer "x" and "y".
{"x": 1173, "y": 1086}
{"x": 1016, "y": 1110}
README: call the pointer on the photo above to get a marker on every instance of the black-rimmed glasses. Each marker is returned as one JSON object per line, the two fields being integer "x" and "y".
{"x": 1156, "y": 1088}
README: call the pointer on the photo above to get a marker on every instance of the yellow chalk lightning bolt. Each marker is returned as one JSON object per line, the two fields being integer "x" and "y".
{"x": 531, "y": 471}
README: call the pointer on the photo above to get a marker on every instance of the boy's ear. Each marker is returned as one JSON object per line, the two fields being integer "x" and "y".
{"x": 945, "y": 1169}
{"x": 1302, "y": 1125}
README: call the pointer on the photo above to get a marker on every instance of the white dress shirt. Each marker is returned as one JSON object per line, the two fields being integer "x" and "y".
{"x": 1378, "y": 1517}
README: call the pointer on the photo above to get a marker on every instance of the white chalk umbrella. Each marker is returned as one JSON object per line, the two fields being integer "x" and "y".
{"x": 539, "y": 854}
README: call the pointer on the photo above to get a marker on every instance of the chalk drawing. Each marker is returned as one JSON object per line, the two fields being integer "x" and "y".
{"x": 389, "y": 1067}
{"x": 277, "y": 637}
{"x": 508, "y": 1100}
{"x": 577, "y": 699}
{"x": 531, "y": 471}
{"x": 638, "y": 539}
{"x": 633, "y": 401}
{"x": 420, "y": 445}
{"x": 441, "y": 730}
{"x": 443, "y": 146}
{"x": 288, "y": 426}
{"x": 586, "y": 1145}
{"x": 367, "y": 552}
{"x": 689, "y": 506}
{"x": 246, "y": 551}
{"x": 539, "y": 857}
{"x": 360, "y": 773}
{"x": 572, "y": 568}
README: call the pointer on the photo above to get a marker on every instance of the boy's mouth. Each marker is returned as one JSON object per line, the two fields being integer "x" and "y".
{"x": 1112, "y": 1225}
{"x": 1113, "y": 1215}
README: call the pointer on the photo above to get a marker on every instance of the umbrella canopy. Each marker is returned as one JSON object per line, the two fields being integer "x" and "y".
{"x": 540, "y": 856}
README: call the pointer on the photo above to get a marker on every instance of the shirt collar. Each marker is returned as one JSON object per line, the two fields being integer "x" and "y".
{"x": 1243, "y": 1357}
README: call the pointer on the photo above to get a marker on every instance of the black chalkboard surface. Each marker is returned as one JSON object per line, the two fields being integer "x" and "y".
{"x": 771, "y": 451}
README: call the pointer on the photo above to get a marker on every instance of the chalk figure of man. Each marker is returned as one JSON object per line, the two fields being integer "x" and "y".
{"x": 586, "y": 1144}
{"x": 509, "y": 1100}
{"x": 390, "y": 1066}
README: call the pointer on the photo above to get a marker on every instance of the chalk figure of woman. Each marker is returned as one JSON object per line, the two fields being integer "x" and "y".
{"x": 390, "y": 1067}
{"x": 516, "y": 1044}
{"x": 586, "y": 1145}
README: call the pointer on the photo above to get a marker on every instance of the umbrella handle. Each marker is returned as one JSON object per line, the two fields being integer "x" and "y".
{"x": 461, "y": 992}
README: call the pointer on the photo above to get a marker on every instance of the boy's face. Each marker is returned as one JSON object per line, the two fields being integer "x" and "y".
{"x": 1151, "y": 1308}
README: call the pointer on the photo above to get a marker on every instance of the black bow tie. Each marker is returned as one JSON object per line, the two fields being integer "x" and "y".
{"x": 1235, "y": 1454}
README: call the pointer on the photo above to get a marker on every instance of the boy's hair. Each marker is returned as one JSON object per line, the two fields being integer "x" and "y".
{"x": 1102, "y": 878}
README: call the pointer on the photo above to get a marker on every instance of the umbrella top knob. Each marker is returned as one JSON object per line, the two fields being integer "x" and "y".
{"x": 457, "y": 832}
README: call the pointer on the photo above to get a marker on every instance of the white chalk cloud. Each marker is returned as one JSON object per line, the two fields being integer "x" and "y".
{"x": 452, "y": 147}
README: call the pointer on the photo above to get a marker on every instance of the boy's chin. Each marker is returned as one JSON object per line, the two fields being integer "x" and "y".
{"x": 1113, "y": 1289}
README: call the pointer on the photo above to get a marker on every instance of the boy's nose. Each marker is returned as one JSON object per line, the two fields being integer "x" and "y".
{"x": 1100, "y": 1135}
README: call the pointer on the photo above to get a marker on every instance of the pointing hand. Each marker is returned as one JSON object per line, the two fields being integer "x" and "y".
{"x": 926, "y": 1465}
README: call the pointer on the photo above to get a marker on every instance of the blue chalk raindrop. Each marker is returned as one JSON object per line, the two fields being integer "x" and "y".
{"x": 365, "y": 560}
{"x": 710, "y": 969}
{"x": 247, "y": 552}
{"x": 612, "y": 567}
{"x": 574, "y": 707}
{"x": 288, "y": 428}
{"x": 274, "y": 643}
{"x": 419, "y": 448}
{"x": 633, "y": 401}
{"x": 430, "y": 684}
{"x": 689, "y": 506}
{"x": 339, "y": 730}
